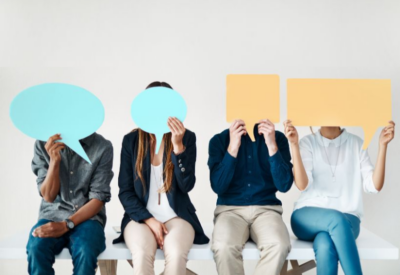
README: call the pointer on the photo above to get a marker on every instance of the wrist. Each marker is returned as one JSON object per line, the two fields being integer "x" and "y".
{"x": 178, "y": 148}
{"x": 69, "y": 224}
{"x": 146, "y": 221}
{"x": 383, "y": 146}
{"x": 65, "y": 226}
{"x": 272, "y": 148}
{"x": 233, "y": 150}
{"x": 295, "y": 145}
{"x": 55, "y": 162}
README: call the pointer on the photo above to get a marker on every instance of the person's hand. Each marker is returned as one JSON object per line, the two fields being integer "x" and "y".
{"x": 177, "y": 131}
{"x": 291, "y": 132}
{"x": 267, "y": 128}
{"x": 51, "y": 230}
{"x": 158, "y": 229}
{"x": 236, "y": 131}
{"x": 387, "y": 134}
{"x": 53, "y": 148}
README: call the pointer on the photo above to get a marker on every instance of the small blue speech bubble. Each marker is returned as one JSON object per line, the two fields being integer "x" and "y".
{"x": 47, "y": 109}
{"x": 152, "y": 107}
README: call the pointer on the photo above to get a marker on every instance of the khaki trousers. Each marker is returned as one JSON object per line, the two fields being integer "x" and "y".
{"x": 143, "y": 246}
{"x": 234, "y": 225}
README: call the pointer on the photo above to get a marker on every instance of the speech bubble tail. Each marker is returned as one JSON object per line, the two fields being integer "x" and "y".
{"x": 251, "y": 135}
{"x": 76, "y": 146}
{"x": 250, "y": 129}
{"x": 159, "y": 138}
{"x": 369, "y": 133}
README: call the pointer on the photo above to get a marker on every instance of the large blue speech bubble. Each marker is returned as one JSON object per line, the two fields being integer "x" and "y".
{"x": 152, "y": 107}
{"x": 47, "y": 109}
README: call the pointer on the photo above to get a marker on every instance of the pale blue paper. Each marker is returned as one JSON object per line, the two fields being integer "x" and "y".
{"x": 47, "y": 109}
{"x": 152, "y": 107}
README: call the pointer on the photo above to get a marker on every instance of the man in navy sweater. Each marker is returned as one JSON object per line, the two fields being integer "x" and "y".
{"x": 246, "y": 176}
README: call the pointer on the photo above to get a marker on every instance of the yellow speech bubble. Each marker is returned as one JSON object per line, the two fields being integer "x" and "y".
{"x": 340, "y": 102}
{"x": 251, "y": 98}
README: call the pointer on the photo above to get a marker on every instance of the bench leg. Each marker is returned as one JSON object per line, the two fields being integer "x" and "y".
{"x": 188, "y": 272}
{"x": 284, "y": 268}
{"x": 108, "y": 267}
{"x": 299, "y": 269}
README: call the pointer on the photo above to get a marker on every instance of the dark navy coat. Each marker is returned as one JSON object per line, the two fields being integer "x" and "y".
{"x": 131, "y": 188}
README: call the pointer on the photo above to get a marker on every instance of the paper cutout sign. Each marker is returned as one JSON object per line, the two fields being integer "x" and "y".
{"x": 252, "y": 98}
{"x": 151, "y": 109}
{"x": 340, "y": 102}
{"x": 47, "y": 109}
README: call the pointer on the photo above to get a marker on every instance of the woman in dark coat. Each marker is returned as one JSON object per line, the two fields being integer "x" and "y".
{"x": 154, "y": 193}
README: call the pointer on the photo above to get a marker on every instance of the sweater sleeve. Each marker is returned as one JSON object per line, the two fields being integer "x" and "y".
{"x": 281, "y": 167}
{"x": 185, "y": 165}
{"x": 222, "y": 166}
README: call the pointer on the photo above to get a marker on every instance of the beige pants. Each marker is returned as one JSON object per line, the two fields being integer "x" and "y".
{"x": 143, "y": 246}
{"x": 263, "y": 224}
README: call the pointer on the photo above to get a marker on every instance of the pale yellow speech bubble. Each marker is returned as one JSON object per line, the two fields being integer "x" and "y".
{"x": 252, "y": 97}
{"x": 340, "y": 102}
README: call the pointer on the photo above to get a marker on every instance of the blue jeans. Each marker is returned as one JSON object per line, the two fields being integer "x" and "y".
{"x": 85, "y": 242}
{"x": 334, "y": 234}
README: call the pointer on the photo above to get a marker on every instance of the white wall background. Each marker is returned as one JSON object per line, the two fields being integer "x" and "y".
{"x": 115, "y": 48}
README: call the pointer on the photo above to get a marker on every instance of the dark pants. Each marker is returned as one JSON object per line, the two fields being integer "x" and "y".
{"x": 85, "y": 242}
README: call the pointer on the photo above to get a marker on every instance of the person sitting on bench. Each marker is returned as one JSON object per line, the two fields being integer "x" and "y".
{"x": 331, "y": 169}
{"x": 72, "y": 212}
{"x": 154, "y": 193}
{"x": 246, "y": 176}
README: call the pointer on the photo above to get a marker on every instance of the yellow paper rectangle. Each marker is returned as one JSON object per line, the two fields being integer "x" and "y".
{"x": 340, "y": 102}
{"x": 251, "y": 98}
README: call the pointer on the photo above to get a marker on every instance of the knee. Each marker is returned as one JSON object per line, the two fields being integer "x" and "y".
{"x": 281, "y": 248}
{"x": 222, "y": 250}
{"x": 337, "y": 219}
{"x": 85, "y": 253}
{"x": 142, "y": 254}
{"x": 176, "y": 254}
{"x": 37, "y": 246}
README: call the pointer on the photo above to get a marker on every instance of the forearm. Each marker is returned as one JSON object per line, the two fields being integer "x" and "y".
{"x": 184, "y": 167}
{"x": 299, "y": 172}
{"x": 87, "y": 211}
{"x": 221, "y": 175}
{"x": 51, "y": 185}
{"x": 378, "y": 176}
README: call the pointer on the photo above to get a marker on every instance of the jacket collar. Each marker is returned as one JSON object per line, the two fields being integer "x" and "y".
{"x": 88, "y": 140}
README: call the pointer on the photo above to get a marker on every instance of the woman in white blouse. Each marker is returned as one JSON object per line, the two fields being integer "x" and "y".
{"x": 331, "y": 170}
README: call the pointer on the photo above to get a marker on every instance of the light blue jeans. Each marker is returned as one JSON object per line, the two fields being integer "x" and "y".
{"x": 334, "y": 235}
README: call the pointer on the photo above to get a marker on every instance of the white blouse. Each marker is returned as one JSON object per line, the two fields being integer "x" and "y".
{"x": 351, "y": 166}
{"x": 163, "y": 211}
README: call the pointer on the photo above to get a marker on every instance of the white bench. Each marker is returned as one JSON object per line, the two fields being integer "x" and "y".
{"x": 370, "y": 247}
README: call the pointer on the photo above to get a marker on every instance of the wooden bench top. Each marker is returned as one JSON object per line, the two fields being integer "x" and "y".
{"x": 369, "y": 245}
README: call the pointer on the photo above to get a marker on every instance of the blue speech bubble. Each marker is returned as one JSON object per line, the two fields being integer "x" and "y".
{"x": 152, "y": 107}
{"x": 47, "y": 109}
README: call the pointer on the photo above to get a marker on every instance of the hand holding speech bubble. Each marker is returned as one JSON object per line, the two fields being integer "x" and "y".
{"x": 251, "y": 98}
{"x": 340, "y": 102}
{"x": 151, "y": 109}
{"x": 47, "y": 109}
